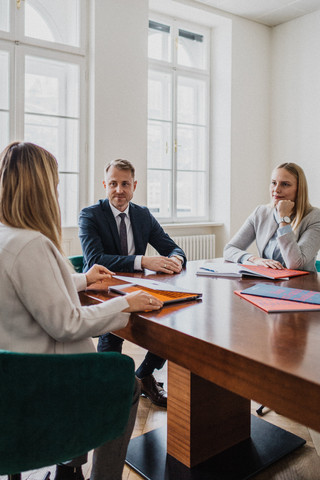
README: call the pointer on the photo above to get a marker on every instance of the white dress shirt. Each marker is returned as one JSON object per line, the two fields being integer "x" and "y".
{"x": 130, "y": 239}
{"x": 272, "y": 249}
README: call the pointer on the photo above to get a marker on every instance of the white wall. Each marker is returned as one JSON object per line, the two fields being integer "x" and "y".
{"x": 117, "y": 107}
{"x": 250, "y": 140}
{"x": 295, "y": 128}
{"x": 119, "y": 115}
{"x": 266, "y": 99}
{"x": 241, "y": 52}
{"x": 240, "y": 170}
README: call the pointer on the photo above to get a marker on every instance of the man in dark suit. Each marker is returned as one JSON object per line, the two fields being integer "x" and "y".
{"x": 115, "y": 232}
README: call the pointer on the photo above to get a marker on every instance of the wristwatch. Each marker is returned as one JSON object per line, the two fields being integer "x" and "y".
{"x": 285, "y": 220}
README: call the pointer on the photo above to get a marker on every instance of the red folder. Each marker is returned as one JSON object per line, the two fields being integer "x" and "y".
{"x": 267, "y": 272}
{"x": 276, "y": 305}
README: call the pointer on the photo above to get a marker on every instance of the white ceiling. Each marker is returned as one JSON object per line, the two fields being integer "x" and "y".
{"x": 267, "y": 12}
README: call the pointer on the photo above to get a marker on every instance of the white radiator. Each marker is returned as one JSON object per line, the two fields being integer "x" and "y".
{"x": 196, "y": 247}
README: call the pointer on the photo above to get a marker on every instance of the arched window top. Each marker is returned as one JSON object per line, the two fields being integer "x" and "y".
{"x": 57, "y": 21}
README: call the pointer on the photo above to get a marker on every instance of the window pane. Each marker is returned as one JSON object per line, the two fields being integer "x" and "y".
{"x": 68, "y": 198}
{"x": 159, "y": 193}
{"x": 53, "y": 21}
{"x": 178, "y": 120}
{"x": 159, "y": 145}
{"x": 59, "y": 136}
{"x": 191, "y": 151}
{"x": 159, "y": 95}
{"x": 159, "y": 46}
{"x": 4, "y": 15}
{"x": 192, "y": 50}
{"x": 52, "y": 121}
{"x": 4, "y": 130}
{"x": 191, "y": 194}
{"x": 51, "y": 87}
{"x": 192, "y": 104}
{"x": 4, "y": 99}
{"x": 4, "y": 80}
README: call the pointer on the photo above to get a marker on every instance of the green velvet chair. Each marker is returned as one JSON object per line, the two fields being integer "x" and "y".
{"x": 318, "y": 265}
{"x": 77, "y": 262}
{"x": 56, "y": 407}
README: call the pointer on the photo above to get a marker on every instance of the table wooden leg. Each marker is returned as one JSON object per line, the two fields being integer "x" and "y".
{"x": 203, "y": 419}
{"x": 208, "y": 435}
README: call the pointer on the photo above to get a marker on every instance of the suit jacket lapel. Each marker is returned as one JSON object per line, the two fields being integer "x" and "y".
{"x": 111, "y": 222}
{"x": 136, "y": 228}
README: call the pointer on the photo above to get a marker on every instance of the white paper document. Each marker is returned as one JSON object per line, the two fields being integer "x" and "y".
{"x": 153, "y": 284}
{"x": 220, "y": 270}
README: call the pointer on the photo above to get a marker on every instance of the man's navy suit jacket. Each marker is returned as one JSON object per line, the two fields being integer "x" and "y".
{"x": 100, "y": 240}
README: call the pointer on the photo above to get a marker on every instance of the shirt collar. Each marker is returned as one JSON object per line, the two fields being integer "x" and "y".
{"x": 117, "y": 212}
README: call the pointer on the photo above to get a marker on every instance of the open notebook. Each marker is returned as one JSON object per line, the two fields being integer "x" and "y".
{"x": 237, "y": 270}
{"x": 164, "y": 292}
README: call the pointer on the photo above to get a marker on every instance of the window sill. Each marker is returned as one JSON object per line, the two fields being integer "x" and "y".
{"x": 167, "y": 225}
{"x": 192, "y": 225}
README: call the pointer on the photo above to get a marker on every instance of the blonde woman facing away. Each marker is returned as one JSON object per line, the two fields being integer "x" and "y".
{"x": 40, "y": 308}
{"x": 287, "y": 232}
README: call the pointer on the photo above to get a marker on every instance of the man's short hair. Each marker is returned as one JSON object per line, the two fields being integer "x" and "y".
{"x": 120, "y": 164}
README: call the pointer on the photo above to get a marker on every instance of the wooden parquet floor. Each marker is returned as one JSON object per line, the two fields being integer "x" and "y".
{"x": 304, "y": 464}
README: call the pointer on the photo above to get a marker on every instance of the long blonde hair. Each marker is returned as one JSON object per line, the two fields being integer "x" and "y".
{"x": 302, "y": 204}
{"x": 28, "y": 190}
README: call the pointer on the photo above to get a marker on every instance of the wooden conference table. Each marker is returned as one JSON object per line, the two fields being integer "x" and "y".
{"x": 222, "y": 352}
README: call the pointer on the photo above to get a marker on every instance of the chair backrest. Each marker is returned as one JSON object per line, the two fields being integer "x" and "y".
{"x": 77, "y": 262}
{"x": 318, "y": 265}
{"x": 56, "y": 407}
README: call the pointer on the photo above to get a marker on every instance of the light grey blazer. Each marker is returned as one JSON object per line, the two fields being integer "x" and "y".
{"x": 40, "y": 311}
{"x": 299, "y": 249}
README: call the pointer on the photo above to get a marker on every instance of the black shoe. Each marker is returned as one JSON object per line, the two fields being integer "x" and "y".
{"x": 65, "y": 472}
{"x": 153, "y": 390}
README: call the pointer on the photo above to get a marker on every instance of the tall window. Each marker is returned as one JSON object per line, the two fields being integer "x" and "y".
{"x": 178, "y": 120}
{"x": 42, "y": 66}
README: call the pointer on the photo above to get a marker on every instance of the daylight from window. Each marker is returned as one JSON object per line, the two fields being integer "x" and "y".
{"x": 48, "y": 112}
{"x": 178, "y": 103}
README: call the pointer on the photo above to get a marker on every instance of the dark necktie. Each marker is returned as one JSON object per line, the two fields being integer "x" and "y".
{"x": 123, "y": 235}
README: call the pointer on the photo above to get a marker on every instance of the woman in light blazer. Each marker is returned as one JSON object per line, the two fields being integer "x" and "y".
{"x": 40, "y": 308}
{"x": 287, "y": 232}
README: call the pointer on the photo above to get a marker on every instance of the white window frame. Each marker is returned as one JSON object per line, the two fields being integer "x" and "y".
{"x": 175, "y": 70}
{"x": 10, "y": 48}
{"x": 18, "y": 45}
